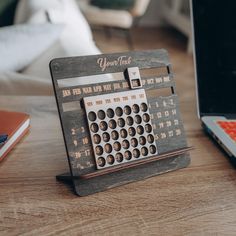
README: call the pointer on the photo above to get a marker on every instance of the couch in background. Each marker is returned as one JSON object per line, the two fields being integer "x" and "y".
{"x": 72, "y": 37}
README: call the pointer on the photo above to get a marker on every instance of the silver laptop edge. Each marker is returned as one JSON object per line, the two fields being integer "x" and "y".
{"x": 219, "y": 135}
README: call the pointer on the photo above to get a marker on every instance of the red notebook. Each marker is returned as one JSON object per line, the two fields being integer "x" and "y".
{"x": 15, "y": 125}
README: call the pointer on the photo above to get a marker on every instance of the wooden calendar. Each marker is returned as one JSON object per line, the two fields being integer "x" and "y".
{"x": 120, "y": 118}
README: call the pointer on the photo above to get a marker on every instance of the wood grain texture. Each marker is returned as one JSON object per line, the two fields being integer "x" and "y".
{"x": 198, "y": 200}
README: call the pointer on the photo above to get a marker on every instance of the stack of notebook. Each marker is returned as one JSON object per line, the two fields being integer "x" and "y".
{"x": 13, "y": 126}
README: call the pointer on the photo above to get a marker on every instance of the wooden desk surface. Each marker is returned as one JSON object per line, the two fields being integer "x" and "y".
{"x": 198, "y": 200}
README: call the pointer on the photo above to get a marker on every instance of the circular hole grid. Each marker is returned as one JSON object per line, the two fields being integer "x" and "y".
{"x": 121, "y": 122}
{"x": 138, "y": 119}
{"x": 114, "y": 135}
{"x": 96, "y": 139}
{"x": 108, "y": 148}
{"x": 135, "y": 108}
{"x": 112, "y": 124}
{"x": 144, "y": 151}
{"x": 127, "y": 155}
{"x": 127, "y": 110}
{"x": 142, "y": 140}
{"x": 152, "y": 149}
{"x": 119, "y": 157}
{"x": 92, "y": 116}
{"x": 117, "y": 146}
{"x": 119, "y": 111}
{"x": 106, "y": 137}
{"x": 146, "y": 117}
{"x": 122, "y": 134}
{"x": 136, "y": 153}
{"x": 103, "y": 125}
{"x": 140, "y": 129}
{"x": 94, "y": 127}
{"x": 144, "y": 107}
{"x": 101, "y": 114}
{"x": 131, "y": 131}
{"x": 134, "y": 142}
{"x": 110, "y": 159}
{"x": 99, "y": 150}
{"x": 101, "y": 161}
{"x": 110, "y": 113}
{"x": 150, "y": 138}
{"x": 125, "y": 144}
{"x": 129, "y": 120}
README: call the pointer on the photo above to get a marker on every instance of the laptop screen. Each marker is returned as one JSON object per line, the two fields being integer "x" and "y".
{"x": 215, "y": 50}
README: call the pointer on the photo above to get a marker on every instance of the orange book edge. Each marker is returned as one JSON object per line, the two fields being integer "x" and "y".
{"x": 18, "y": 129}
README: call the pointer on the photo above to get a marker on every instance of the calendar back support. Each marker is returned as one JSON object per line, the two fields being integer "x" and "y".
{"x": 167, "y": 127}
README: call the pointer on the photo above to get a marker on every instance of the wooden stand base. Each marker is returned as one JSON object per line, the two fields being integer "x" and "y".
{"x": 84, "y": 187}
{"x": 65, "y": 177}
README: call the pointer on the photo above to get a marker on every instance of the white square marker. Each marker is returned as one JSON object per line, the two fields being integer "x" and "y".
{"x": 134, "y": 77}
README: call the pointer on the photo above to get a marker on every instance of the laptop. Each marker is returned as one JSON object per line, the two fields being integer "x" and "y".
{"x": 214, "y": 40}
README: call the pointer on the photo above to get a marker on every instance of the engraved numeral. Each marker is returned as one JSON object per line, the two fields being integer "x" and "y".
{"x": 164, "y": 103}
{"x": 171, "y": 133}
{"x": 167, "y": 113}
{"x": 178, "y": 132}
{"x": 85, "y": 140}
{"x": 82, "y": 129}
{"x": 75, "y": 143}
{"x": 174, "y": 111}
{"x": 87, "y": 152}
{"x": 159, "y": 115}
{"x": 79, "y": 166}
{"x": 89, "y": 164}
{"x": 163, "y": 135}
{"x": 77, "y": 154}
{"x": 176, "y": 122}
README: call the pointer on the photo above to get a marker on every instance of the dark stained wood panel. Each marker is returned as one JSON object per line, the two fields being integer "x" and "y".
{"x": 165, "y": 119}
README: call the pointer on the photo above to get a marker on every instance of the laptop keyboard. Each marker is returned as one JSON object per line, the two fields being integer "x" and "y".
{"x": 229, "y": 127}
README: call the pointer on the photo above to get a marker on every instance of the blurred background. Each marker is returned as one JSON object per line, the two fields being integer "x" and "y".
{"x": 34, "y": 32}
